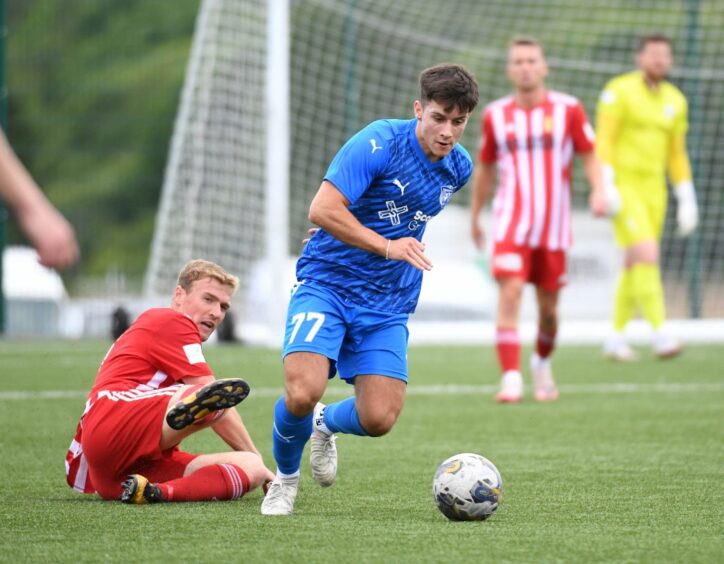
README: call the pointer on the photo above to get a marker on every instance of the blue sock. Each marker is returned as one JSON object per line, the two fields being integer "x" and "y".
{"x": 342, "y": 417}
{"x": 289, "y": 435}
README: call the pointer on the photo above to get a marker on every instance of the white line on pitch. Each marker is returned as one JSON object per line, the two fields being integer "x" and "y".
{"x": 433, "y": 390}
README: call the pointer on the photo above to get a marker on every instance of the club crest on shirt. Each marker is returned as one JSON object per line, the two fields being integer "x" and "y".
{"x": 547, "y": 124}
{"x": 669, "y": 111}
{"x": 446, "y": 193}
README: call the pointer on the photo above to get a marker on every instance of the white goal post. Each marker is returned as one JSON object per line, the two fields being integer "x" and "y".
{"x": 273, "y": 88}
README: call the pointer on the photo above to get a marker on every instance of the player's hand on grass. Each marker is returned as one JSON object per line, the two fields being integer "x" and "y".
{"x": 411, "y": 251}
{"x": 268, "y": 480}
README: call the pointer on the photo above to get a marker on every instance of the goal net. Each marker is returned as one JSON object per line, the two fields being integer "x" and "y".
{"x": 354, "y": 61}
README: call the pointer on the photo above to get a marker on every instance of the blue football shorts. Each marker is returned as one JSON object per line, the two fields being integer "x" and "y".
{"x": 357, "y": 340}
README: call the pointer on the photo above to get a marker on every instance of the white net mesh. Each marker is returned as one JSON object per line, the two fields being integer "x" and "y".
{"x": 358, "y": 60}
{"x": 212, "y": 202}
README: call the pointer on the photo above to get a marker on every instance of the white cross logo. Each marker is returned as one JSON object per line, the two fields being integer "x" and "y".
{"x": 392, "y": 213}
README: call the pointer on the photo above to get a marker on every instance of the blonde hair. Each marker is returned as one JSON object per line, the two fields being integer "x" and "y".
{"x": 198, "y": 269}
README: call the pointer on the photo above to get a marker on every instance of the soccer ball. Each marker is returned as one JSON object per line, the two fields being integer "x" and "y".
{"x": 467, "y": 487}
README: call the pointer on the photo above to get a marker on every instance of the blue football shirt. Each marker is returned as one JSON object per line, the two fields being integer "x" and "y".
{"x": 394, "y": 189}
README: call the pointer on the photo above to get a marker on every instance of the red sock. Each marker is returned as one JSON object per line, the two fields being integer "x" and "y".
{"x": 507, "y": 344}
{"x": 213, "y": 482}
{"x": 545, "y": 343}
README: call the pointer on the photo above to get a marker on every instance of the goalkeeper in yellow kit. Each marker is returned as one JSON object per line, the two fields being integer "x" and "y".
{"x": 641, "y": 134}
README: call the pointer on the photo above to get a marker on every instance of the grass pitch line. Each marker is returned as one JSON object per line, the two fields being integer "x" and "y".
{"x": 434, "y": 390}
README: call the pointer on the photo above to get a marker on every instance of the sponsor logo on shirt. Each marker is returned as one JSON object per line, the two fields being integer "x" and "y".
{"x": 419, "y": 218}
{"x": 669, "y": 111}
{"x": 375, "y": 147}
{"x": 194, "y": 353}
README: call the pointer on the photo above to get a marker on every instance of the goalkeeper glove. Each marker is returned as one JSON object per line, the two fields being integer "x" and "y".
{"x": 613, "y": 198}
{"x": 687, "y": 212}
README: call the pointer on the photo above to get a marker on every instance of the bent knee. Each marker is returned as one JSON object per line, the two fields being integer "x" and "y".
{"x": 301, "y": 402}
{"x": 253, "y": 467}
{"x": 378, "y": 425}
{"x": 301, "y": 395}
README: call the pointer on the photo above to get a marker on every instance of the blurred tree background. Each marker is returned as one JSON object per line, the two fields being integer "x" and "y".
{"x": 94, "y": 87}
{"x": 93, "y": 90}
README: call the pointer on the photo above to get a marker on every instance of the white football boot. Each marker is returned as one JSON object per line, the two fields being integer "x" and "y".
{"x": 665, "y": 345}
{"x": 323, "y": 451}
{"x": 511, "y": 387}
{"x": 616, "y": 348}
{"x": 279, "y": 498}
{"x": 544, "y": 387}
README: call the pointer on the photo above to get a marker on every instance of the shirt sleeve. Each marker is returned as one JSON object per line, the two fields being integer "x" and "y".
{"x": 678, "y": 157}
{"x": 611, "y": 101}
{"x": 681, "y": 124}
{"x": 363, "y": 157}
{"x": 176, "y": 349}
{"x": 488, "y": 152}
{"x": 609, "y": 113}
{"x": 466, "y": 168}
{"x": 581, "y": 130}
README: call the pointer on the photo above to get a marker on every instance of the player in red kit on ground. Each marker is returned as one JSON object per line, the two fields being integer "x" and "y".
{"x": 154, "y": 389}
{"x": 531, "y": 137}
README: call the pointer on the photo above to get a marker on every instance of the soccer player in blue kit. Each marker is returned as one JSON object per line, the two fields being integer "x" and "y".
{"x": 359, "y": 278}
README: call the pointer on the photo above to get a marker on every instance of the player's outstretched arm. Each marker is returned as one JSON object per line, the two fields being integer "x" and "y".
{"x": 329, "y": 210}
{"x": 233, "y": 432}
{"x": 483, "y": 181}
{"x": 230, "y": 427}
{"x": 47, "y": 230}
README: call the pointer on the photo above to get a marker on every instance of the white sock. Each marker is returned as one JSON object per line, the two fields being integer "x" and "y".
{"x": 539, "y": 362}
{"x": 512, "y": 377}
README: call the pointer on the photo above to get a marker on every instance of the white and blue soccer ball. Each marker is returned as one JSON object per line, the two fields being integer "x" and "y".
{"x": 467, "y": 487}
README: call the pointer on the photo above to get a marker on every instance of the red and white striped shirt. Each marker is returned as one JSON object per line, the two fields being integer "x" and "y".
{"x": 534, "y": 148}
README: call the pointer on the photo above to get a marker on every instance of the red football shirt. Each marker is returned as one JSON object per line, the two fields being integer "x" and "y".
{"x": 161, "y": 347}
{"x": 533, "y": 148}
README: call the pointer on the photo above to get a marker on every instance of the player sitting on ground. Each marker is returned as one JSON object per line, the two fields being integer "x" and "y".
{"x": 154, "y": 389}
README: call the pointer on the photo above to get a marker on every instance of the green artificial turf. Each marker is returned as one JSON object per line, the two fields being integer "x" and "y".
{"x": 628, "y": 466}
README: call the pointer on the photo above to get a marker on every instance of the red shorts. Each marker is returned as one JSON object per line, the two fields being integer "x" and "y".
{"x": 543, "y": 267}
{"x": 121, "y": 436}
